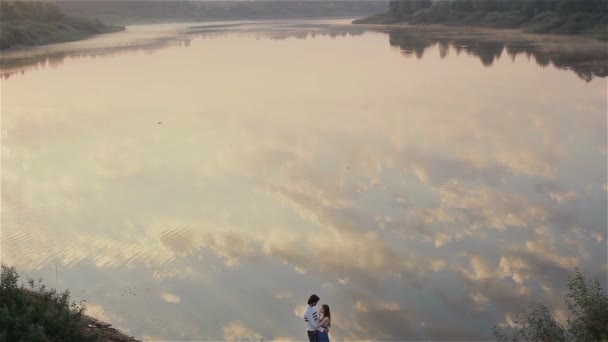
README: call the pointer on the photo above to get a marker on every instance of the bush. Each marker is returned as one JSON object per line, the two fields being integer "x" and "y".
{"x": 31, "y": 312}
{"x": 581, "y": 22}
{"x": 544, "y": 22}
{"x": 438, "y": 13}
{"x": 510, "y": 19}
{"x": 588, "y": 304}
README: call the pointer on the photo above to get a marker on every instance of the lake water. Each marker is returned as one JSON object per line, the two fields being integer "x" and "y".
{"x": 200, "y": 181}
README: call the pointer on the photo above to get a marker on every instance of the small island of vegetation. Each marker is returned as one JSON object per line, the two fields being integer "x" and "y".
{"x": 33, "y": 312}
{"x": 29, "y": 23}
{"x": 586, "y": 17}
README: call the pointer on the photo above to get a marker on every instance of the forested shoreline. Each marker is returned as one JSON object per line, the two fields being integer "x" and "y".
{"x": 125, "y": 12}
{"x": 584, "y": 17}
{"x": 30, "y": 23}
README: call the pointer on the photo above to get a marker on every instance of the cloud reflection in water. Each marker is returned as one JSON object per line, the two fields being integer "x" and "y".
{"x": 423, "y": 198}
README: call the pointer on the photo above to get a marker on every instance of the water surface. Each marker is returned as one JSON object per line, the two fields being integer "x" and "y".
{"x": 199, "y": 181}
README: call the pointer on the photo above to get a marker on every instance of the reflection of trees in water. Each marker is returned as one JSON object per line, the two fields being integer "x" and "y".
{"x": 314, "y": 33}
{"x": 488, "y": 46}
{"x": 278, "y": 32}
{"x": 12, "y": 64}
{"x": 586, "y": 63}
{"x": 24, "y": 64}
{"x": 19, "y": 64}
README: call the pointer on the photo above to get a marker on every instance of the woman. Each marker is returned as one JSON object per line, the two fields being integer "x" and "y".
{"x": 325, "y": 323}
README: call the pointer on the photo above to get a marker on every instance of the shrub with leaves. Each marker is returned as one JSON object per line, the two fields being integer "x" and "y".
{"x": 32, "y": 313}
{"x": 588, "y": 305}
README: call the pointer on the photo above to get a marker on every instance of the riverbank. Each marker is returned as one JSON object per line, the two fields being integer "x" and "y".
{"x": 105, "y": 331}
{"x": 25, "y": 24}
{"x": 33, "y": 312}
{"x": 585, "y": 17}
{"x": 24, "y": 33}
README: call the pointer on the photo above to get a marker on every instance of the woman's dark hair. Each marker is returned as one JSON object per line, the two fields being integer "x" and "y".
{"x": 327, "y": 313}
{"x": 313, "y": 299}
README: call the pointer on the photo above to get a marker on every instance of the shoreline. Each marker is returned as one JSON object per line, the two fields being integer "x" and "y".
{"x": 64, "y": 39}
{"x": 121, "y": 28}
{"x": 559, "y": 18}
{"x": 105, "y": 331}
{"x": 26, "y": 23}
{"x": 497, "y": 30}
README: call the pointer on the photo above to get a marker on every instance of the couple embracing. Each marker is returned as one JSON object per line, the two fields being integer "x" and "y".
{"x": 317, "y": 322}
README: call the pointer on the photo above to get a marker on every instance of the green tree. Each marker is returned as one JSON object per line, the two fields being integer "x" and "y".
{"x": 588, "y": 304}
{"x": 417, "y": 5}
{"x": 484, "y": 5}
{"x": 394, "y": 8}
{"x": 567, "y": 7}
{"x": 461, "y": 5}
{"x": 401, "y": 8}
{"x": 532, "y": 8}
{"x": 35, "y": 313}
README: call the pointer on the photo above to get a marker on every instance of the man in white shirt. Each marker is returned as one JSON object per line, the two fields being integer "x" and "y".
{"x": 311, "y": 318}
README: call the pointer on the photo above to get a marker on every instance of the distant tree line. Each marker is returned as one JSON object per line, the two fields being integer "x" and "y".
{"x": 33, "y": 10}
{"x": 529, "y": 8}
{"x": 26, "y": 23}
{"x": 145, "y": 11}
{"x": 538, "y": 16}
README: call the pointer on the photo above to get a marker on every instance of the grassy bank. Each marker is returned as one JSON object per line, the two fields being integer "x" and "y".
{"x": 38, "y": 23}
{"x": 583, "y": 17}
{"x": 32, "y": 312}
